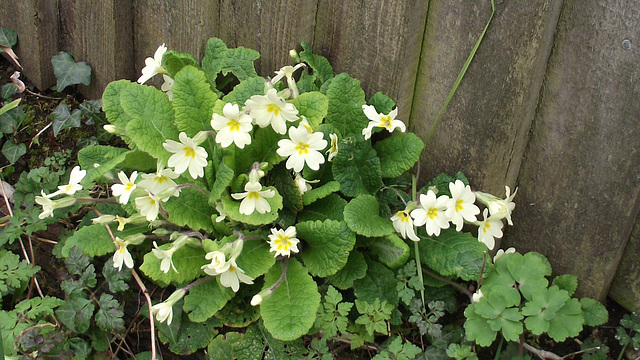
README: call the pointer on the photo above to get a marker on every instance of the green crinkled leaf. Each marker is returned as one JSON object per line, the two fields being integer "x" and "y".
{"x": 174, "y": 61}
{"x": 453, "y": 253}
{"x": 441, "y": 183}
{"x": 398, "y": 153}
{"x": 13, "y": 151}
{"x": 111, "y": 103}
{"x": 357, "y": 168}
{"x": 291, "y": 309}
{"x": 191, "y": 208}
{"x": 8, "y": 37}
{"x": 354, "y": 269}
{"x": 206, "y": 299}
{"x": 391, "y": 250}
{"x": 223, "y": 178}
{"x": 320, "y": 192}
{"x": 361, "y": 214}
{"x": 245, "y": 90}
{"x": 140, "y": 161}
{"x": 93, "y": 240}
{"x": 107, "y": 157}
{"x": 193, "y": 101}
{"x": 382, "y": 102}
{"x": 594, "y": 312}
{"x": 69, "y": 72}
{"x": 320, "y": 65}
{"x": 567, "y": 322}
{"x": 346, "y": 98}
{"x": 566, "y": 282}
{"x": 151, "y": 122}
{"x": 255, "y": 259}
{"x": 379, "y": 283}
{"x": 282, "y": 180}
{"x": 63, "y": 119}
{"x": 187, "y": 260}
{"x": 233, "y": 345}
{"x": 328, "y": 244}
{"x": 232, "y": 208}
{"x": 219, "y": 58}
{"x": 262, "y": 149}
{"x": 313, "y": 105}
{"x": 329, "y": 207}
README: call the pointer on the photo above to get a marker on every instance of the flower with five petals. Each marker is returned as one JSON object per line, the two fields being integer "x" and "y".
{"x": 153, "y": 65}
{"x": 302, "y": 148}
{"x": 403, "y": 223}
{"x": 122, "y": 255}
{"x": 271, "y": 109}
{"x": 283, "y": 242}
{"x": 126, "y": 187}
{"x": 431, "y": 212}
{"x": 74, "y": 182}
{"x": 388, "y": 122}
{"x": 489, "y": 229}
{"x": 500, "y": 208}
{"x": 461, "y": 205}
{"x": 186, "y": 154}
{"x": 233, "y": 127}
{"x": 254, "y": 198}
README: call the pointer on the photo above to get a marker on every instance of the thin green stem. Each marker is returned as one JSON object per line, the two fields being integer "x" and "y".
{"x": 462, "y": 73}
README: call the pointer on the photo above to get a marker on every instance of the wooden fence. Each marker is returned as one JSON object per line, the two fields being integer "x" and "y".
{"x": 551, "y": 102}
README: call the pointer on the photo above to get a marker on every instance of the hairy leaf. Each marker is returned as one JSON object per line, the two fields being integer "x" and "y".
{"x": 328, "y": 245}
{"x": 361, "y": 214}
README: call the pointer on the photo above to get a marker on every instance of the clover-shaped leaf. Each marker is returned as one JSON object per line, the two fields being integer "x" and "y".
{"x": 69, "y": 72}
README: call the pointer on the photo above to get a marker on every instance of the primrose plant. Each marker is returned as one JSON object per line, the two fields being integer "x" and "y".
{"x": 254, "y": 198}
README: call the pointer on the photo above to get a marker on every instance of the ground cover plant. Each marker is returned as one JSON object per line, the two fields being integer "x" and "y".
{"x": 279, "y": 217}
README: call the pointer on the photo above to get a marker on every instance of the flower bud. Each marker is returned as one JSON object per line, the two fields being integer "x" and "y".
{"x": 64, "y": 202}
{"x": 200, "y": 137}
{"x": 261, "y": 296}
{"x": 104, "y": 219}
{"x": 111, "y": 129}
{"x": 135, "y": 239}
{"x": 294, "y": 55}
{"x": 161, "y": 232}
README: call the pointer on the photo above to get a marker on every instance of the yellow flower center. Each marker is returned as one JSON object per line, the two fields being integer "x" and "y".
{"x": 273, "y": 108}
{"x": 67, "y": 188}
{"x": 152, "y": 201}
{"x": 459, "y": 205}
{"x": 234, "y": 125}
{"x": 283, "y": 242}
{"x": 303, "y": 148}
{"x": 189, "y": 151}
{"x": 486, "y": 227}
{"x": 253, "y": 195}
{"x": 385, "y": 121}
{"x": 160, "y": 178}
{"x": 432, "y": 212}
{"x": 128, "y": 186}
{"x": 404, "y": 217}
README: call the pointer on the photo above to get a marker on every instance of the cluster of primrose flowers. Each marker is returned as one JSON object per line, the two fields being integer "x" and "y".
{"x": 302, "y": 147}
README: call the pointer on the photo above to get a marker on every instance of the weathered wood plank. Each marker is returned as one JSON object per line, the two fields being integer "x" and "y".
{"x": 99, "y": 32}
{"x": 377, "y": 42}
{"x": 625, "y": 288}
{"x": 485, "y": 128}
{"x": 36, "y": 23}
{"x": 184, "y": 25}
{"x": 579, "y": 183}
{"x": 270, "y": 27}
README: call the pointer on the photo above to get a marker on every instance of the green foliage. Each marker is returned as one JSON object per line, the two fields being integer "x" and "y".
{"x": 628, "y": 333}
{"x": 398, "y": 154}
{"x": 453, "y": 253}
{"x": 357, "y": 168}
{"x": 398, "y": 350}
{"x": 332, "y": 315}
{"x": 69, "y": 72}
{"x": 374, "y": 315}
{"x": 13, "y": 272}
{"x": 329, "y": 243}
{"x": 8, "y": 37}
{"x": 13, "y": 151}
{"x": 361, "y": 214}
{"x": 193, "y": 100}
{"x": 220, "y": 59}
{"x": 63, "y": 119}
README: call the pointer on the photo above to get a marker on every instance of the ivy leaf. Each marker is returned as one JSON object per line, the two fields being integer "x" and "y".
{"x": 379, "y": 283}
{"x": 391, "y": 250}
{"x": 594, "y": 312}
{"x": 8, "y": 37}
{"x": 191, "y": 209}
{"x": 357, "y": 168}
{"x": 10, "y": 120}
{"x": 206, "y": 299}
{"x": 312, "y": 105}
{"x": 354, "y": 269}
{"x": 361, "y": 214}
{"x": 346, "y": 98}
{"x": 76, "y": 314}
{"x": 453, "y": 253}
{"x": 151, "y": 122}
{"x": 13, "y": 151}
{"x": 187, "y": 260}
{"x": 232, "y": 208}
{"x": 174, "y": 61}
{"x": 63, "y": 119}
{"x": 193, "y": 101}
{"x": 290, "y": 311}
{"x": 69, "y": 72}
{"x": 329, "y": 243}
{"x": 398, "y": 153}
{"x": 329, "y": 207}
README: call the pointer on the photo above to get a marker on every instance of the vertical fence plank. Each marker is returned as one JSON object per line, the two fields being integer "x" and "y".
{"x": 579, "y": 181}
{"x": 270, "y": 27}
{"x": 485, "y": 128}
{"x": 184, "y": 25}
{"x": 100, "y": 33}
{"x": 625, "y": 288}
{"x": 377, "y": 42}
{"x": 36, "y": 23}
